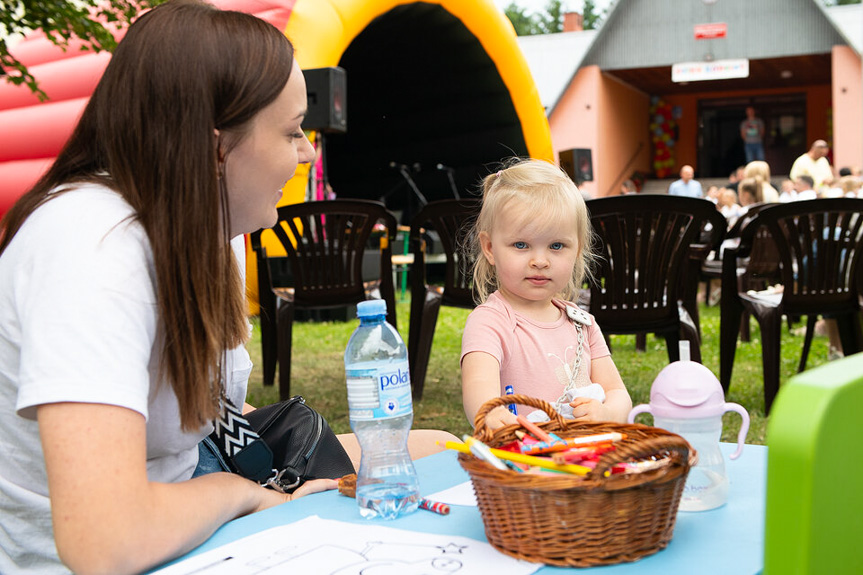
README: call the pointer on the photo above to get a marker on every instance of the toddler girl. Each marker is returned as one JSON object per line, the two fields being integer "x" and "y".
{"x": 532, "y": 248}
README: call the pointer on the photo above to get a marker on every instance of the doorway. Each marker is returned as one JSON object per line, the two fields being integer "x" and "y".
{"x": 720, "y": 148}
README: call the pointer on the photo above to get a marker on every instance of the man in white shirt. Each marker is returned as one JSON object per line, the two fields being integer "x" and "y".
{"x": 803, "y": 186}
{"x": 814, "y": 164}
{"x": 686, "y": 186}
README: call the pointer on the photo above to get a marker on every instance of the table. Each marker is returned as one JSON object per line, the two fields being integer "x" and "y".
{"x": 729, "y": 539}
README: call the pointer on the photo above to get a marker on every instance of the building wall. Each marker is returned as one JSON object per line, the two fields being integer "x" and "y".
{"x": 847, "y": 96}
{"x": 621, "y": 145}
{"x": 575, "y": 120}
{"x": 624, "y": 139}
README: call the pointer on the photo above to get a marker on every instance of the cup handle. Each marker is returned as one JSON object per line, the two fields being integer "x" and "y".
{"x": 643, "y": 408}
{"x": 744, "y": 427}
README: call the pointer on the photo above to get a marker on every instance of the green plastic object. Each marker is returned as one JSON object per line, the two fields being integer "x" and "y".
{"x": 814, "y": 508}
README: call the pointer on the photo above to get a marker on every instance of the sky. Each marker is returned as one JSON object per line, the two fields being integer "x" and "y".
{"x": 570, "y": 5}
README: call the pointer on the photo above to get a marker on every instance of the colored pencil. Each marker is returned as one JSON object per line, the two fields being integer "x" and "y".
{"x": 526, "y": 459}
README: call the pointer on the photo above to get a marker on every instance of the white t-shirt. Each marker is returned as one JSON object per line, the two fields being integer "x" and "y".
{"x": 78, "y": 322}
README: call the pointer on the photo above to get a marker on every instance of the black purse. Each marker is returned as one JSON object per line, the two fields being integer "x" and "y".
{"x": 280, "y": 445}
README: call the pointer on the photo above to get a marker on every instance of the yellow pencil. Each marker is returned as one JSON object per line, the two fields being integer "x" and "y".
{"x": 526, "y": 459}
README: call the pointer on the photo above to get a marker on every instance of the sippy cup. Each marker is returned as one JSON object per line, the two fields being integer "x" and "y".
{"x": 687, "y": 399}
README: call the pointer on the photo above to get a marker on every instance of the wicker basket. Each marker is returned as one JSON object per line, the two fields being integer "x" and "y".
{"x": 573, "y": 521}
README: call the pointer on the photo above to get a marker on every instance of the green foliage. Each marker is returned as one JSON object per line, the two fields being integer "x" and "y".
{"x": 318, "y": 370}
{"x": 592, "y": 19}
{"x": 548, "y": 21}
{"x": 62, "y": 21}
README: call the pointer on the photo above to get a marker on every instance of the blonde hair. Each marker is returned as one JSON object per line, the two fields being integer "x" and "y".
{"x": 760, "y": 171}
{"x": 544, "y": 193}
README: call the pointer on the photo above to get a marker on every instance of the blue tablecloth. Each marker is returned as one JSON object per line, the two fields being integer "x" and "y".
{"x": 729, "y": 539}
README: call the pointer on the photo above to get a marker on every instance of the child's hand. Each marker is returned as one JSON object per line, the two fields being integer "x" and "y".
{"x": 587, "y": 409}
{"x": 499, "y": 416}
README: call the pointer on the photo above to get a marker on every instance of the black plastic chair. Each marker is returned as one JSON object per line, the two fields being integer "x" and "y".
{"x": 755, "y": 272}
{"x": 644, "y": 244}
{"x": 326, "y": 244}
{"x": 451, "y": 221}
{"x": 818, "y": 245}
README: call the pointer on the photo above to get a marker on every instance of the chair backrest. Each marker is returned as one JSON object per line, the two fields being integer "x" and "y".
{"x": 326, "y": 241}
{"x": 814, "y": 510}
{"x": 643, "y": 243}
{"x": 452, "y": 221}
{"x": 818, "y": 246}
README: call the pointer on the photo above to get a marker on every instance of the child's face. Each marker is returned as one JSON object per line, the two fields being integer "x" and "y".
{"x": 533, "y": 261}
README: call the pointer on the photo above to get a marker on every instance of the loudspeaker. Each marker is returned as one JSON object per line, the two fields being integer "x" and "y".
{"x": 327, "y": 98}
{"x": 578, "y": 164}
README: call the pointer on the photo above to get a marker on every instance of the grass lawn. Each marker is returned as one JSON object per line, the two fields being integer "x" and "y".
{"x": 318, "y": 370}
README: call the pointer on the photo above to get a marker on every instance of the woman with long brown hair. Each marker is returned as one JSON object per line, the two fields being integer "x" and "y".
{"x": 119, "y": 294}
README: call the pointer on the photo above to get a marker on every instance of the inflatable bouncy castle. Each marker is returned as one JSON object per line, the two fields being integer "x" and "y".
{"x": 440, "y": 86}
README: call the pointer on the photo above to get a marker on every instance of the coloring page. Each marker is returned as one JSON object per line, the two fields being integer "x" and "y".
{"x": 324, "y": 547}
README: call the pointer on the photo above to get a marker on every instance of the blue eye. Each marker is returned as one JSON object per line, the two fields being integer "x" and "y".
{"x": 520, "y": 245}
{"x": 556, "y": 246}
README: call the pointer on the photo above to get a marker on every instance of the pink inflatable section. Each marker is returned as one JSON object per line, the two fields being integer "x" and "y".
{"x": 33, "y": 132}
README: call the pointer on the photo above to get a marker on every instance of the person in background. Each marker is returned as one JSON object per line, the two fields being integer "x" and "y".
{"x": 532, "y": 246}
{"x": 814, "y": 164}
{"x": 803, "y": 187}
{"x": 686, "y": 186}
{"x": 627, "y": 188}
{"x": 749, "y": 193}
{"x": 713, "y": 193}
{"x": 761, "y": 172}
{"x": 735, "y": 177}
{"x": 850, "y": 186}
{"x": 728, "y": 206}
{"x": 752, "y": 132}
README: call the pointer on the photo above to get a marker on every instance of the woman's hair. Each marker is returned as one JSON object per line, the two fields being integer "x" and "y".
{"x": 753, "y": 187}
{"x": 540, "y": 191}
{"x": 183, "y": 71}
{"x": 759, "y": 170}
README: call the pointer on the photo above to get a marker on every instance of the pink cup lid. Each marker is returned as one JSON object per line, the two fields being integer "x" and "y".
{"x": 686, "y": 390}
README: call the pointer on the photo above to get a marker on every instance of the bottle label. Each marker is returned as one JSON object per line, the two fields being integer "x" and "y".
{"x": 379, "y": 393}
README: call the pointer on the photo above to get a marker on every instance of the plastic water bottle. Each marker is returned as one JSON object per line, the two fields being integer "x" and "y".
{"x": 381, "y": 414}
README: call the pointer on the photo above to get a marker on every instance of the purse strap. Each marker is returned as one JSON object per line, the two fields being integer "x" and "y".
{"x": 244, "y": 450}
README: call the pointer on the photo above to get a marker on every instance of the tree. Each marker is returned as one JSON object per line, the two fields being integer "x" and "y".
{"x": 524, "y": 24}
{"x": 840, "y": 2}
{"x": 550, "y": 19}
{"x": 62, "y": 21}
{"x": 592, "y": 20}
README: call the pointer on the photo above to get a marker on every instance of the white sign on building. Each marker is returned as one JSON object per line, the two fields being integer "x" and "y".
{"x": 716, "y": 70}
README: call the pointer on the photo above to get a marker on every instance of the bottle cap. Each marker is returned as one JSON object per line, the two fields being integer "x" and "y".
{"x": 686, "y": 390}
{"x": 371, "y": 308}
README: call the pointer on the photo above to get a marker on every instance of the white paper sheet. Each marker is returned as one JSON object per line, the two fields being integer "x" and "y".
{"x": 324, "y": 547}
{"x": 461, "y": 494}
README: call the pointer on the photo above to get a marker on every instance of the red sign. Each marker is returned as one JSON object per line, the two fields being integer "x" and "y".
{"x": 709, "y": 31}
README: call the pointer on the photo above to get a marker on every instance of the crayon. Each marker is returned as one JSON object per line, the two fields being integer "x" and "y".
{"x": 570, "y": 442}
{"x": 510, "y": 391}
{"x": 482, "y": 451}
{"x": 521, "y": 458}
{"x": 581, "y": 453}
{"x": 537, "y": 431}
{"x": 434, "y": 506}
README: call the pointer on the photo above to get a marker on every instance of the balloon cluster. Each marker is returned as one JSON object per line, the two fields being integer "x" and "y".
{"x": 663, "y": 127}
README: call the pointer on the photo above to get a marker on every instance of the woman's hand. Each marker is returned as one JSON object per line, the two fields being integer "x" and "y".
{"x": 273, "y": 498}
